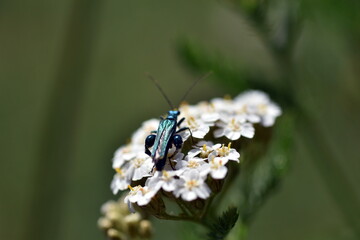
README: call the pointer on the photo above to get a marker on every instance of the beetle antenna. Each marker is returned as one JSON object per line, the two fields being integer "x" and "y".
{"x": 193, "y": 85}
{"x": 160, "y": 89}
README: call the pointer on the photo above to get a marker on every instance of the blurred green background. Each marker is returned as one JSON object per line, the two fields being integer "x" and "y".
{"x": 73, "y": 89}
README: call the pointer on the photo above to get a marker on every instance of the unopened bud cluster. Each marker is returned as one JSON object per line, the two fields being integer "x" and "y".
{"x": 118, "y": 223}
{"x": 196, "y": 171}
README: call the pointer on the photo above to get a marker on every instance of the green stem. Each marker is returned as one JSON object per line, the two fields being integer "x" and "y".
{"x": 206, "y": 208}
{"x": 242, "y": 231}
{"x": 167, "y": 216}
{"x": 182, "y": 207}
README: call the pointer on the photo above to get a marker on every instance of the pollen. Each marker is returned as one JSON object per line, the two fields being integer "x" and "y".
{"x": 193, "y": 164}
{"x": 165, "y": 174}
{"x": 233, "y": 125}
{"x": 216, "y": 165}
{"x": 191, "y": 184}
{"x": 143, "y": 190}
{"x": 224, "y": 151}
{"x": 192, "y": 122}
{"x": 138, "y": 162}
{"x": 119, "y": 171}
{"x": 204, "y": 148}
{"x": 205, "y": 151}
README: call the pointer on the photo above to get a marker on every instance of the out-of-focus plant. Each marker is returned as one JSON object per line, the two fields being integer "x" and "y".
{"x": 193, "y": 186}
{"x": 278, "y": 24}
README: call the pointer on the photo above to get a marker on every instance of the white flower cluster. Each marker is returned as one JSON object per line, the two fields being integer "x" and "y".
{"x": 186, "y": 174}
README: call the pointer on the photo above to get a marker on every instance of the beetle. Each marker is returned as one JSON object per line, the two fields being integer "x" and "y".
{"x": 166, "y": 135}
{"x": 163, "y": 139}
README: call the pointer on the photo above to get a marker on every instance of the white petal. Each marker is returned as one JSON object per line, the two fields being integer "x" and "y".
{"x": 268, "y": 121}
{"x": 188, "y": 196}
{"x": 253, "y": 118}
{"x": 203, "y": 191}
{"x": 201, "y": 131}
{"x": 219, "y": 133}
{"x": 232, "y": 135}
{"x": 233, "y": 155}
{"x": 210, "y": 117}
{"x": 248, "y": 130}
{"x": 169, "y": 186}
{"x": 194, "y": 152}
{"x": 219, "y": 173}
{"x": 141, "y": 172}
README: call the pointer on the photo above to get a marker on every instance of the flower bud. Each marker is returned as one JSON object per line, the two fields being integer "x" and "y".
{"x": 104, "y": 223}
{"x": 114, "y": 234}
{"x": 145, "y": 230}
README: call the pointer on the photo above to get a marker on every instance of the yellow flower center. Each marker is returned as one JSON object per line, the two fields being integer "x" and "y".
{"x": 224, "y": 151}
{"x": 204, "y": 151}
{"x": 191, "y": 184}
{"x": 192, "y": 122}
{"x": 216, "y": 165}
{"x": 262, "y": 108}
{"x": 138, "y": 162}
{"x": 234, "y": 125}
{"x": 193, "y": 164}
{"x": 134, "y": 190}
{"x": 144, "y": 191}
{"x": 165, "y": 175}
{"x": 242, "y": 109}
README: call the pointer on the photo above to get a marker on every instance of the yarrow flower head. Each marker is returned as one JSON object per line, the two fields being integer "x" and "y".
{"x": 211, "y": 130}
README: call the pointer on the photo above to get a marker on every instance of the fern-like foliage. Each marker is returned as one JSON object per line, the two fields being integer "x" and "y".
{"x": 222, "y": 225}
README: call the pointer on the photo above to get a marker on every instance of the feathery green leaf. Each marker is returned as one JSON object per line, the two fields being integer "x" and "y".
{"x": 222, "y": 225}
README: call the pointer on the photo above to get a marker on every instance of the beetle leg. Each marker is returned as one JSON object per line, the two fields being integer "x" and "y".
{"x": 180, "y": 121}
{"x": 147, "y": 151}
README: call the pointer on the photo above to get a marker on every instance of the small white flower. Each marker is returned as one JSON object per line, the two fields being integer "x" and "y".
{"x": 120, "y": 181}
{"x": 197, "y": 126}
{"x": 223, "y": 105}
{"x": 208, "y": 112}
{"x": 217, "y": 167}
{"x": 259, "y": 106}
{"x": 269, "y": 113}
{"x": 234, "y": 127}
{"x": 202, "y": 148}
{"x": 191, "y": 185}
{"x": 139, "y": 195}
{"x": 140, "y": 166}
{"x": 131, "y": 197}
{"x": 123, "y": 154}
{"x": 189, "y": 110}
{"x": 164, "y": 180}
{"x": 191, "y": 163}
{"x": 226, "y": 152}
